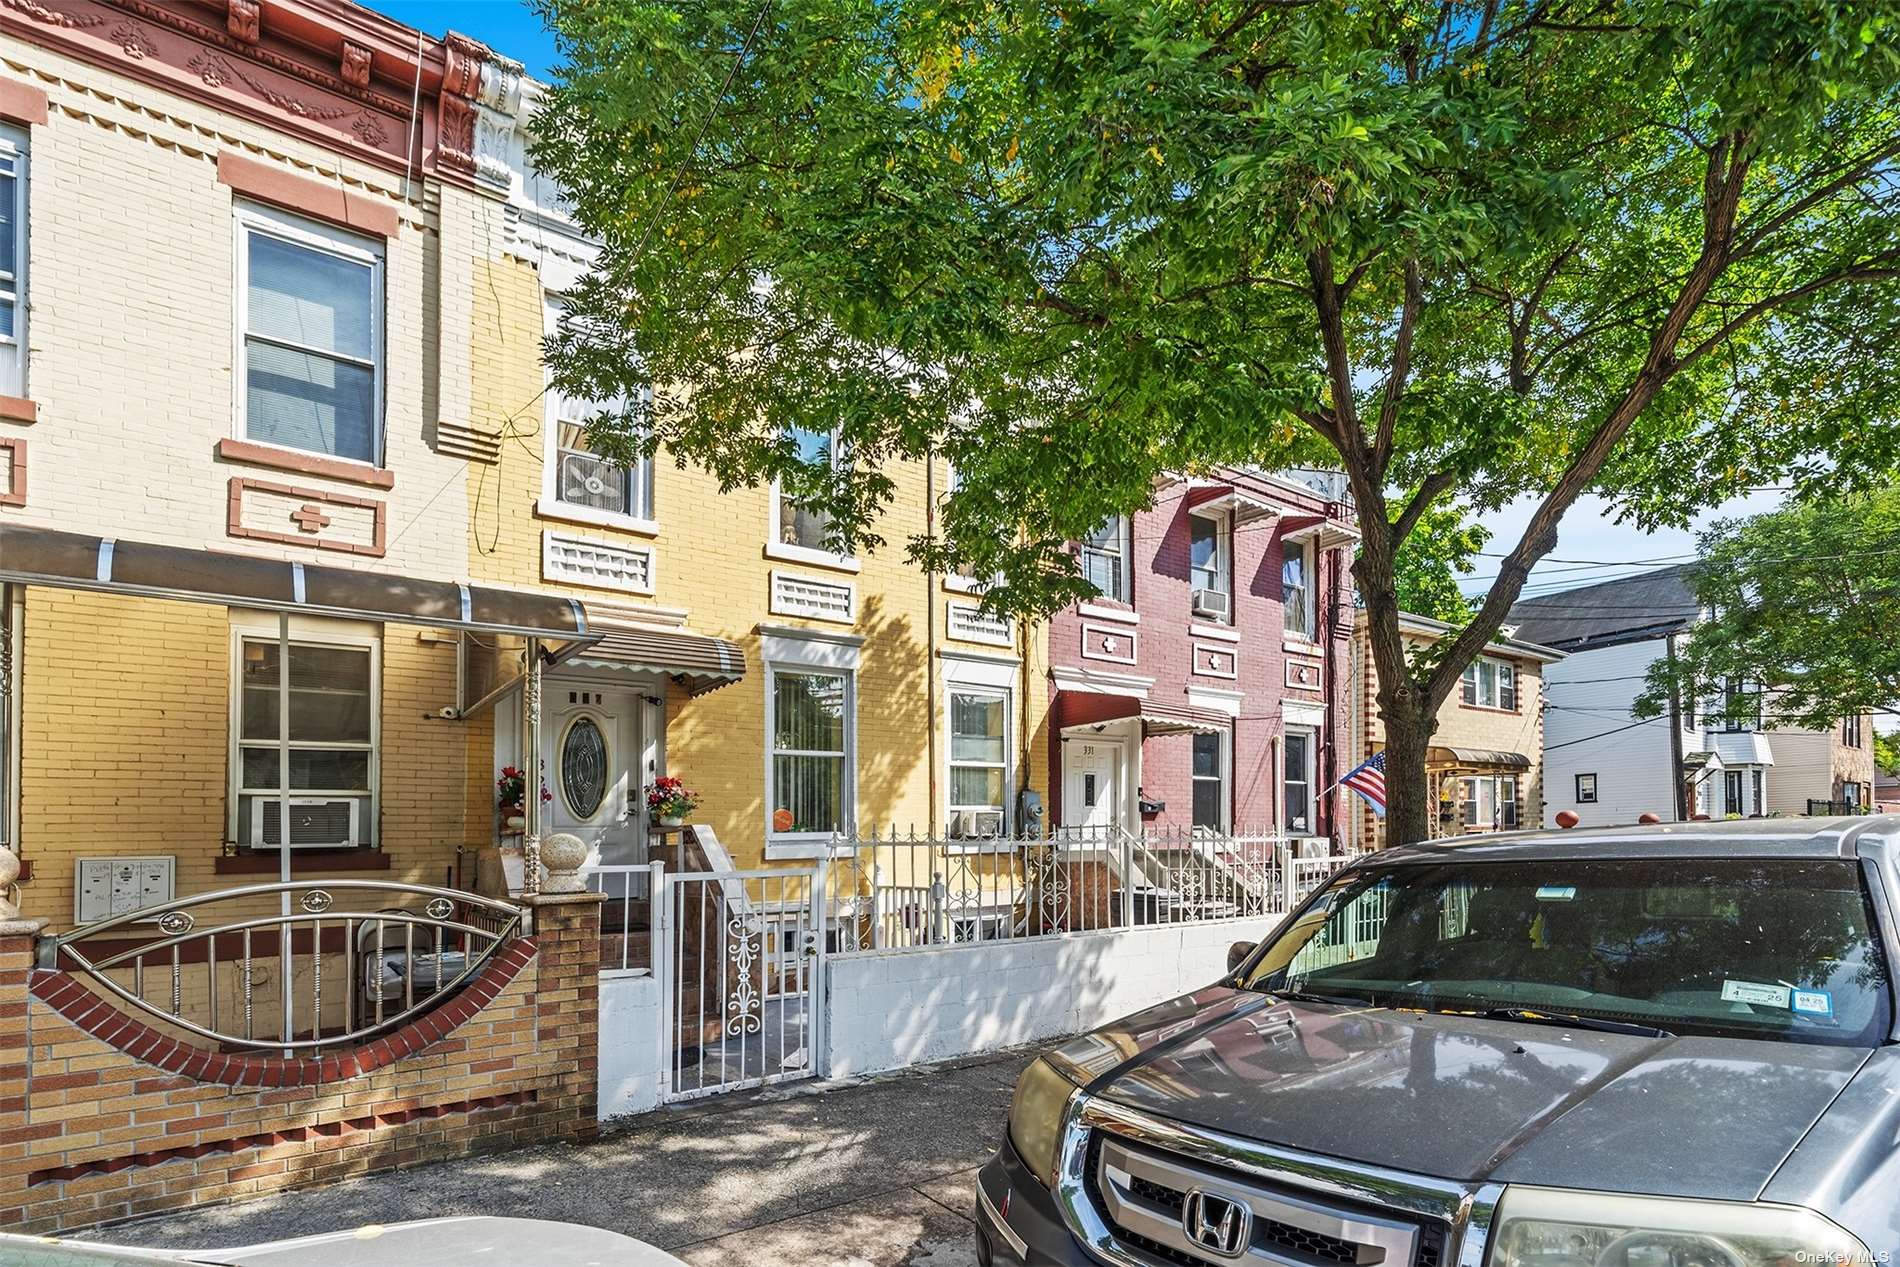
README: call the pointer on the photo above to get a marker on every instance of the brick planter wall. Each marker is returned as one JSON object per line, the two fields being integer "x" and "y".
{"x": 104, "y": 1118}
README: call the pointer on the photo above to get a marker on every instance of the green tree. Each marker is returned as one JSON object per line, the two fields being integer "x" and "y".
{"x": 1887, "y": 752}
{"x": 1804, "y": 606}
{"x": 1490, "y": 248}
{"x": 1429, "y": 563}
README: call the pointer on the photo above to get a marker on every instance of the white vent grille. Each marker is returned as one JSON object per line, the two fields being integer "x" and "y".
{"x": 809, "y": 596}
{"x": 604, "y": 564}
{"x": 967, "y": 622}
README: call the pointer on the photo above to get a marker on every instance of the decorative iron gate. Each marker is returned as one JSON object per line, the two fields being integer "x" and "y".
{"x": 743, "y": 957}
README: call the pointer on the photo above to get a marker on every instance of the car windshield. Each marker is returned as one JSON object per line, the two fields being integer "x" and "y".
{"x": 1766, "y": 948}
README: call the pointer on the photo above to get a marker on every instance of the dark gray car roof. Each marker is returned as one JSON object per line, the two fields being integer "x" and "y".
{"x": 1746, "y": 838}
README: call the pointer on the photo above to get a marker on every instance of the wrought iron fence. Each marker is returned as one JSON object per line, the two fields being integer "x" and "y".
{"x": 315, "y": 973}
{"x": 892, "y": 892}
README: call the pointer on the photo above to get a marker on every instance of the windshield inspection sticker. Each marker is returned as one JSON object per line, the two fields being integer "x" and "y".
{"x": 1814, "y": 1002}
{"x": 1557, "y": 893}
{"x": 1756, "y": 992}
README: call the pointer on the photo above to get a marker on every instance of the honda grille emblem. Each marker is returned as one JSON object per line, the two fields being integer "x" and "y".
{"x": 1220, "y": 1224}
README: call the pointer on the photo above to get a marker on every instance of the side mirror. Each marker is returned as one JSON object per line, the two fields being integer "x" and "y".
{"x": 1237, "y": 954}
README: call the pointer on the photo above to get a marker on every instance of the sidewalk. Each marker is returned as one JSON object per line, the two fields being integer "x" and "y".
{"x": 868, "y": 1174}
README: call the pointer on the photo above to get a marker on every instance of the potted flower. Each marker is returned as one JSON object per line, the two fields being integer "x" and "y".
{"x": 512, "y": 797}
{"x": 669, "y": 801}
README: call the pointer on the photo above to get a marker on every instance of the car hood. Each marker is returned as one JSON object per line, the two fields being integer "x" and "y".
{"x": 1471, "y": 1099}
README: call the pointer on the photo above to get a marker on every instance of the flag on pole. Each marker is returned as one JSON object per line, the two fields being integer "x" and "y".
{"x": 1368, "y": 779}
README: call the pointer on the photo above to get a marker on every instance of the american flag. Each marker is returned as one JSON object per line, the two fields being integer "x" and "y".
{"x": 1368, "y": 779}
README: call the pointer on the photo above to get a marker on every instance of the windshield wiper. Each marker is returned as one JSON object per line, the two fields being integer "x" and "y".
{"x": 1338, "y": 1000}
{"x": 1570, "y": 1020}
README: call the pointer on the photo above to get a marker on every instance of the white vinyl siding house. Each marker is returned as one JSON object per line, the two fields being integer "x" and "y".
{"x": 1588, "y": 729}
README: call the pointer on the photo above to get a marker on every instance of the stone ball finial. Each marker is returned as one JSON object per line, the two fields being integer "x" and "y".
{"x": 1648, "y": 819}
{"x": 9, "y": 872}
{"x": 563, "y": 854}
{"x": 1567, "y": 818}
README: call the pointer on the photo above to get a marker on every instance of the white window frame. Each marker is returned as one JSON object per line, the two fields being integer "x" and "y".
{"x": 252, "y": 218}
{"x": 788, "y": 652}
{"x": 313, "y": 632}
{"x": 1471, "y": 687}
{"x": 15, "y": 146}
{"x": 1223, "y": 559}
{"x": 1311, "y": 734}
{"x": 1006, "y": 765}
{"x": 1224, "y": 778}
{"x": 775, "y": 548}
{"x": 1590, "y": 787}
{"x": 1124, "y": 571}
{"x": 644, "y": 518}
{"x": 1309, "y": 605}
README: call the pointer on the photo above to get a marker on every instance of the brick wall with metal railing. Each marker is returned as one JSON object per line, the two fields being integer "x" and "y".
{"x": 107, "y": 1117}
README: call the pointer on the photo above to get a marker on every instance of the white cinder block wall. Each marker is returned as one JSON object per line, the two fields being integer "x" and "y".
{"x": 886, "y": 1010}
{"x": 632, "y": 1044}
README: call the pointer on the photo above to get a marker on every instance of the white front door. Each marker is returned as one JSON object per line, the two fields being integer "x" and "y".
{"x": 593, "y": 767}
{"x": 1091, "y": 783}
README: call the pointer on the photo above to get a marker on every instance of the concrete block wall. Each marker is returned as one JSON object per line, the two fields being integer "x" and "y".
{"x": 108, "y": 1118}
{"x": 633, "y": 1046}
{"x": 889, "y": 1009}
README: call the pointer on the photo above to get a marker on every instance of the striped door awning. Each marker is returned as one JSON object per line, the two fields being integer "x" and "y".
{"x": 699, "y": 662}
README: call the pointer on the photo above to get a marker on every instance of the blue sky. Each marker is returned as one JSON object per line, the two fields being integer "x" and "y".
{"x": 507, "y": 26}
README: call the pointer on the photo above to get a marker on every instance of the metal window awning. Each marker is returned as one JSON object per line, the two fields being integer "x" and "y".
{"x": 1244, "y": 507}
{"x": 699, "y": 662}
{"x": 1325, "y": 531}
{"x": 66, "y": 560}
{"x": 1476, "y": 759}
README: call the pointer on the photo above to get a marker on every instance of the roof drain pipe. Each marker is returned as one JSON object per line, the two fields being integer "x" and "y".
{"x": 930, "y": 641}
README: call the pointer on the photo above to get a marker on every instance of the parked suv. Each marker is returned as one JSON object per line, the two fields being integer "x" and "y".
{"x": 1668, "y": 1046}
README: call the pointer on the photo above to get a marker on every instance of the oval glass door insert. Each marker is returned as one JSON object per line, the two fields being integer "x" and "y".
{"x": 584, "y": 767}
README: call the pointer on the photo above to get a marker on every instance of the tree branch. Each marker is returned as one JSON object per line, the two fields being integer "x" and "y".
{"x": 1851, "y": 175}
{"x": 1401, "y": 368}
{"x": 1428, "y": 491}
{"x": 1874, "y": 269}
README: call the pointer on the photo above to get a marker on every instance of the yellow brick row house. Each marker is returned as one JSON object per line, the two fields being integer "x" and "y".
{"x": 291, "y": 531}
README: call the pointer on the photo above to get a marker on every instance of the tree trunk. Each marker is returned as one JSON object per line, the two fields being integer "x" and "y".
{"x": 1408, "y": 807}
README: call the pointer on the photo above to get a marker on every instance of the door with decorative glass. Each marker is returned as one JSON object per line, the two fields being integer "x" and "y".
{"x": 592, "y": 768}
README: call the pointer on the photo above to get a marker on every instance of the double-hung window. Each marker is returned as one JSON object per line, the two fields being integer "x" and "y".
{"x": 1300, "y": 744}
{"x": 311, "y": 322}
{"x": 1490, "y": 683}
{"x": 1489, "y": 802}
{"x": 1210, "y": 781}
{"x": 331, "y": 694}
{"x": 1296, "y": 589}
{"x": 979, "y": 761}
{"x": 798, "y": 523}
{"x": 1737, "y": 715}
{"x": 581, "y": 476}
{"x": 1851, "y": 731}
{"x": 810, "y": 762}
{"x": 1210, "y": 568}
{"x": 1105, "y": 559}
{"x": 12, "y": 261}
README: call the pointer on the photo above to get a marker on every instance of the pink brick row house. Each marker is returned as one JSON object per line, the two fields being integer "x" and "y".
{"x": 1207, "y": 684}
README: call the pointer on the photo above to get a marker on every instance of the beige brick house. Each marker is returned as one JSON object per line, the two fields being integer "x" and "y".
{"x": 1485, "y": 763}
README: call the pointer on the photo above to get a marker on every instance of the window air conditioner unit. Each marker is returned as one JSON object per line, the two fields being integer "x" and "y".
{"x": 1210, "y": 603}
{"x": 972, "y": 824}
{"x": 315, "y": 822}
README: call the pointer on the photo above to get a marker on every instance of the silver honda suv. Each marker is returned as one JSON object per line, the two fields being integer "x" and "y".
{"x": 1663, "y": 1046}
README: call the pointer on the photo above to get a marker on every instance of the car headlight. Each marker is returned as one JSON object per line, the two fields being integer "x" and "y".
{"x": 1550, "y": 1227}
{"x": 1035, "y": 1117}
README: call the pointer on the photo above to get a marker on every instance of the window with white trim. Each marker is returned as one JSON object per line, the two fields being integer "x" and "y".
{"x": 979, "y": 761}
{"x": 1851, "y": 733}
{"x": 794, "y": 522}
{"x": 1301, "y": 742}
{"x": 1490, "y": 683}
{"x": 1296, "y": 588}
{"x": 1210, "y": 566}
{"x": 1105, "y": 559}
{"x": 310, "y": 320}
{"x": 1210, "y": 780}
{"x": 579, "y": 475}
{"x": 1489, "y": 801}
{"x": 1586, "y": 789}
{"x": 13, "y": 297}
{"x": 813, "y": 714}
{"x": 332, "y": 691}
